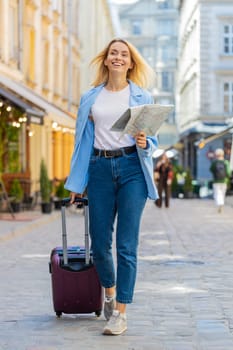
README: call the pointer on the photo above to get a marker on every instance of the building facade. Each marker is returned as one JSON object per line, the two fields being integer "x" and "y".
{"x": 96, "y": 29}
{"x": 43, "y": 45}
{"x": 204, "y": 80}
{"x": 152, "y": 26}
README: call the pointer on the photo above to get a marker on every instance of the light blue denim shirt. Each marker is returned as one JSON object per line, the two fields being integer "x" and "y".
{"x": 84, "y": 140}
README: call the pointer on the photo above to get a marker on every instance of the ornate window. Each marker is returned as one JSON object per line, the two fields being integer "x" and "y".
{"x": 166, "y": 27}
{"x": 228, "y": 39}
{"x": 163, "y": 4}
{"x": 228, "y": 97}
{"x": 137, "y": 27}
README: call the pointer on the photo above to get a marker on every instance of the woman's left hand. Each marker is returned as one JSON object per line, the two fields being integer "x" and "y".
{"x": 140, "y": 139}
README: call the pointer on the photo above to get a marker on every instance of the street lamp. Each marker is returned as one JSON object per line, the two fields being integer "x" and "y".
{"x": 201, "y": 143}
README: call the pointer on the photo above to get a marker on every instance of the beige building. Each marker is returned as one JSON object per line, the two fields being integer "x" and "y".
{"x": 96, "y": 29}
{"x": 44, "y": 49}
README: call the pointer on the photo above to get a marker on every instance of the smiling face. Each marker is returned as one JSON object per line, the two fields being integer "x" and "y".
{"x": 118, "y": 58}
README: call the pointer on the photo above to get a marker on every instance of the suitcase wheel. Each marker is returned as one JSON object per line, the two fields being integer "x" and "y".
{"x": 98, "y": 313}
{"x": 58, "y": 313}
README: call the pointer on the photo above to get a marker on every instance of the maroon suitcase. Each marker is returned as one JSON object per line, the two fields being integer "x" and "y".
{"x": 75, "y": 284}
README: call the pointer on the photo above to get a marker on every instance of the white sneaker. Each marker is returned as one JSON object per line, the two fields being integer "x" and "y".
{"x": 109, "y": 304}
{"x": 116, "y": 325}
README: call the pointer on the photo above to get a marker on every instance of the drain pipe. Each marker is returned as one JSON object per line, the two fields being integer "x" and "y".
{"x": 70, "y": 80}
{"x": 20, "y": 38}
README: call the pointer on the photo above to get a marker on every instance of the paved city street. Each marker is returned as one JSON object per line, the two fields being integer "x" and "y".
{"x": 184, "y": 291}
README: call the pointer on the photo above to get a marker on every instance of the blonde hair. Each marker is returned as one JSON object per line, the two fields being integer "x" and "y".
{"x": 141, "y": 73}
{"x": 219, "y": 153}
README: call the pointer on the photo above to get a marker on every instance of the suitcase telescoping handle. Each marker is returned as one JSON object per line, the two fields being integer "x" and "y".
{"x": 64, "y": 202}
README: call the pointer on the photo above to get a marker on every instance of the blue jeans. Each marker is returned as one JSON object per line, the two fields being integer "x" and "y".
{"x": 116, "y": 187}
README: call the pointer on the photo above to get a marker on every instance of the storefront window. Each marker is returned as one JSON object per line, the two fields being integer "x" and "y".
{"x": 12, "y": 139}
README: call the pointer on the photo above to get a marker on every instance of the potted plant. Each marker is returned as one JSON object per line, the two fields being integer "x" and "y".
{"x": 16, "y": 194}
{"x": 188, "y": 186}
{"x": 45, "y": 189}
{"x": 60, "y": 193}
{"x": 177, "y": 183}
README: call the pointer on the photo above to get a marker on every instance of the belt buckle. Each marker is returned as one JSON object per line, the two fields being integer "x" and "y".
{"x": 105, "y": 154}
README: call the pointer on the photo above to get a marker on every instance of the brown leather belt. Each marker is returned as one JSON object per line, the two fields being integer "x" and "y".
{"x": 115, "y": 152}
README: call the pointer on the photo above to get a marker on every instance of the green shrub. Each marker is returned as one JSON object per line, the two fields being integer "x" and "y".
{"x": 16, "y": 191}
{"x": 177, "y": 173}
{"x": 45, "y": 184}
{"x": 60, "y": 191}
{"x": 188, "y": 186}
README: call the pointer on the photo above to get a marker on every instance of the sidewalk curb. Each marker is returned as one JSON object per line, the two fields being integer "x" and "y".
{"x": 229, "y": 201}
{"x": 29, "y": 227}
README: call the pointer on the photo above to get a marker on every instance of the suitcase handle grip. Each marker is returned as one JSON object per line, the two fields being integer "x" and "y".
{"x": 65, "y": 201}
{"x": 83, "y": 200}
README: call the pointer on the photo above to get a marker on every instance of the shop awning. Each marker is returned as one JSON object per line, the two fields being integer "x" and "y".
{"x": 204, "y": 128}
{"x": 210, "y": 128}
{"x": 35, "y": 115}
{"x": 57, "y": 114}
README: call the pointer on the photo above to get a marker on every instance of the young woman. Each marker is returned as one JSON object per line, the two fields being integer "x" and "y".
{"x": 221, "y": 172}
{"x": 117, "y": 173}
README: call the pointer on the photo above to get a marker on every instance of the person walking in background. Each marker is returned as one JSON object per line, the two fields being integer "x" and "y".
{"x": 118, "y": 173}
{"x": 164, "y": 180}
{"x": 220, "y": 168}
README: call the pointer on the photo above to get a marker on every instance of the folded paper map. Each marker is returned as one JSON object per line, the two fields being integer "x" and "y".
{"x": 147, "y": 118}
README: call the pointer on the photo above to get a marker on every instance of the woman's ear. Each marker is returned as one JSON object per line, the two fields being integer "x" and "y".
{"x": 131, "y": 66}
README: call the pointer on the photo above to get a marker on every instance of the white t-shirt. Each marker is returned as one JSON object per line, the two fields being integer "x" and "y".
{"x": 108, "y": 107}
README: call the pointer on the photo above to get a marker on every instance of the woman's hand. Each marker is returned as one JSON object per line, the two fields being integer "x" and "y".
{"x": 74, "y": 195}
{"x": 140, "y": 139}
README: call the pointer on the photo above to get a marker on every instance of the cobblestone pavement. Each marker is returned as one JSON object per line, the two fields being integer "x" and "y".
{"x": 183, "y": 296}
